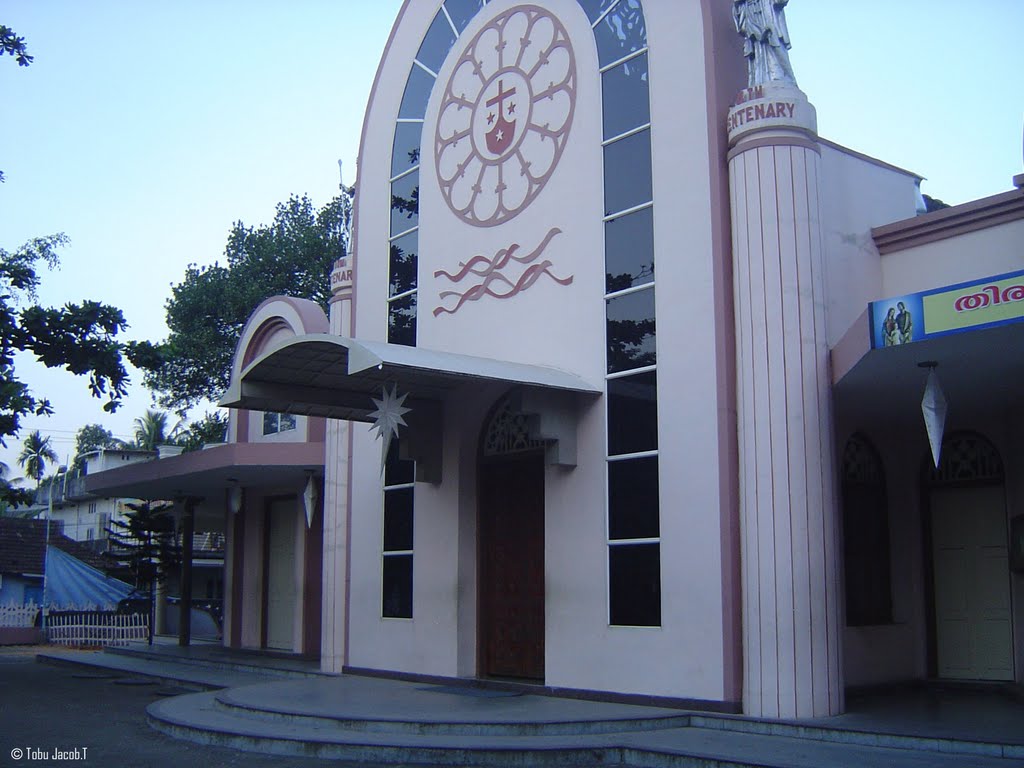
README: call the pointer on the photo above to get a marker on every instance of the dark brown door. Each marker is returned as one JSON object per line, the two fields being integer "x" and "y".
{"x": 512, "y": 568}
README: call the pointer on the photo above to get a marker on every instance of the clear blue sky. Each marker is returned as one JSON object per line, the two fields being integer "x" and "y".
{"x": 144, "y": 129}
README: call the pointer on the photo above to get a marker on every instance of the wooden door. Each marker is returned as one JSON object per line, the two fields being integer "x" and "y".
{"x": 974, "y": 634}
{"x": 512, "y": 568}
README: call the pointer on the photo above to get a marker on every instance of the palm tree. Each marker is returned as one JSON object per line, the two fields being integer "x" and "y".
{"x": 35, "y": 452}
{"x": 151, "y": 430}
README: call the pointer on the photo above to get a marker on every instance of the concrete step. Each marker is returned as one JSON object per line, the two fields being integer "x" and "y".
{"x": 239, "y": 703}
{"x": 204, "y": 718}
{"x": 851, "y": 735}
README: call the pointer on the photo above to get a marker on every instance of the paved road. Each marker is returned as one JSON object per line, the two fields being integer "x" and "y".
{"x": 47, "y": 708}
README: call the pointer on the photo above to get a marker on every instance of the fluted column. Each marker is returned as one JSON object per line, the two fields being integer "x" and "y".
{"x": 337, "y": 453}
{"x": 788, "y": 507}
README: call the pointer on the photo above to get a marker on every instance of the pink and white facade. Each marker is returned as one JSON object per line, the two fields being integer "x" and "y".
{"x": 626, "y": 309}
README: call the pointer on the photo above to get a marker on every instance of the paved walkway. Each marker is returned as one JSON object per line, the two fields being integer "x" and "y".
{"x": 388, "y": 721}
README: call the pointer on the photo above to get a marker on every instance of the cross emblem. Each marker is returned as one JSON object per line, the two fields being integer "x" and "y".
{"x": 499, "y": 100}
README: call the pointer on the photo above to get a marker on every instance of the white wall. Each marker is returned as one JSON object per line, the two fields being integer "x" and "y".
{"x": 857, "y": 195}
{"x": 562, "y": 326}
{"x": 971, "y": 256}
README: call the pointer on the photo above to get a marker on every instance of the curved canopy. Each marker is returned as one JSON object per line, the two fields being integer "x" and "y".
{"x": 325, "y": 375}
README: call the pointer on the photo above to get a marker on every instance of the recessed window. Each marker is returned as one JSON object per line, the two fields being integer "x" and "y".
{"x": 594, "y": 8}
{"x": 436, "y": 43}
{"x": 634, "y": 546}
{"x": 631, "y": 331}
{"x": 398, "y": 519}
{"x": 405, "y": 203}
{"x": 417, "y": 93}
{"x": 629, "y": 250}
{"x": 277, "y": 422}
{"x": 405, "y": 153}
{"x": 621, "y": 32}
{"x": 627, "y": 173}
{"x": 633, "y": 414}
{"x": 403, "y": 264}
{"x": 402, "y": 321}
{"x": 463, "y": 11}
{"x": 626, "y": 97}
{"x": 397, "y": 545}
{"x": 633, "y": 499}
{"x": 634, "y": 572}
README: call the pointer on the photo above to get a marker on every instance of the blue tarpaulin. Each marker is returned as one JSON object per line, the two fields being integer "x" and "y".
{"x": 70, "y": 583}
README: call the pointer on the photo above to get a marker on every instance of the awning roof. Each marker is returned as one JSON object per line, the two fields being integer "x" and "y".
{"x": 209, "y": 472}
{"x": 327, "y": 375}
{"x": 979, "y": 370}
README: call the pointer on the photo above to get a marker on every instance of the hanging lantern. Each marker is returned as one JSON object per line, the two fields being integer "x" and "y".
{"x": 309, "y": 498}
{"x": 933, "y": 408}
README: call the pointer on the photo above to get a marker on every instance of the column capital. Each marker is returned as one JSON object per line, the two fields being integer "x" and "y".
{"x": 774, "y": 107}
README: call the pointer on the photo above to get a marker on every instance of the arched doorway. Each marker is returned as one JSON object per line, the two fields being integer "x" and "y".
{"x": 868, "y": 575}
{"x": 966, "y": 539}
{"x": 511, "y": 548}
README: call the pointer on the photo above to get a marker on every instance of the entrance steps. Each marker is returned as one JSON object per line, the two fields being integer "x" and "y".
{"x": 389, "y": 722}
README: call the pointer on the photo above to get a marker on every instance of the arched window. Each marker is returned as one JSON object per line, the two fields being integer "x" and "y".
{"x": 865, "y": 535}
{"x": 620, "y": 33}
{"x": 967, "y": 457}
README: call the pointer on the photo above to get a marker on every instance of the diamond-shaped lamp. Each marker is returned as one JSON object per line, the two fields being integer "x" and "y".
{"x": 933, "y": 408}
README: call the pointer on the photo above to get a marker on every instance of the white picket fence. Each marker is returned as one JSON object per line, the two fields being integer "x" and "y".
{"x": 96, "y": 628}
{"x": 12, "y": 615}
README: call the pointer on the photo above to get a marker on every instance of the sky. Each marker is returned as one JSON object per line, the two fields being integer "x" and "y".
{"x": 143, "y": 130}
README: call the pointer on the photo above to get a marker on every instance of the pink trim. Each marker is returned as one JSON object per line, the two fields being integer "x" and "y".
{"x": 722, "y": 85}
{"x": 311, "y": 320}
{"x": 316, "y": 429}
{"x": 241, "y": 425}
{"x": 950, "y": 222}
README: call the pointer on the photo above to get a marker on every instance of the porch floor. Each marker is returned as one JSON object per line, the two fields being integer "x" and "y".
{"x": 399, "y": 722}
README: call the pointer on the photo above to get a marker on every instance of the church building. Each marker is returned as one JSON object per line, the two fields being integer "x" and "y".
{"x": 610, "y": 394}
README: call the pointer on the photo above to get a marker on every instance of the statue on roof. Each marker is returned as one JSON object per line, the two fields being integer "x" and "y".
{"x": 762, "y": 25}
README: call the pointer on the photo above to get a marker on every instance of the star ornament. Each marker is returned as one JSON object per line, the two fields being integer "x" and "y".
{"x": 387, "y": 419}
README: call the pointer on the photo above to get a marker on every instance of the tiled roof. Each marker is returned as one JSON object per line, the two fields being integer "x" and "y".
{"x": 23, "y": 545}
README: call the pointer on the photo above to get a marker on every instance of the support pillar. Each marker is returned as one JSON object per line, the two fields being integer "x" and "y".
{"x": 337, "y": 496}
{"x": 788, "y": 505}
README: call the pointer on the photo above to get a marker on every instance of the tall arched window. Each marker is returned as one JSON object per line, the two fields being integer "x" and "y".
{"x": 865, "y": 535}
{"x": 620, "y": 33}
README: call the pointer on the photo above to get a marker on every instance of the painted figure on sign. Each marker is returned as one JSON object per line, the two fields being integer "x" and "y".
{"x": 889, "y": 328}
{"x": 762, "y": 24}
{"x": 905, "y": 323}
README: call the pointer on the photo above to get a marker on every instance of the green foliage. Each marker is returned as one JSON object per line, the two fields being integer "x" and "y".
{"x": 933, "y": 204}
{"x": 36, "y": 451}
{"x": 292, "y": 256}
{"x": 91, "y": 437}
{"x": 77, "y": 337}
{"x": 14, "y": 46}
{"x": 144, "y": 547}
{"x": 151, "y": 430}
{"x": 212, "y": 428}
